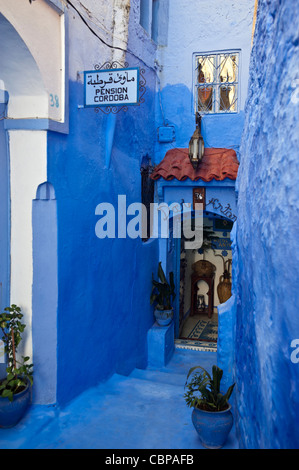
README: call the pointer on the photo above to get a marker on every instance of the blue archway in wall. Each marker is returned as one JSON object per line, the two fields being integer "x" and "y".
{"x": 220, "y": 204}
{"x": 172, "y": 256}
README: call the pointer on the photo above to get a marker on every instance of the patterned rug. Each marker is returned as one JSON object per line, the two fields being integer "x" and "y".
{"x": 196, "y": 345}
{"x": 200, "y": 334}
{"x": 204, "y": 330}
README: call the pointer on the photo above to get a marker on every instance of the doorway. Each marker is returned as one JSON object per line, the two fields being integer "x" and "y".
{"x": 205, "y": 283}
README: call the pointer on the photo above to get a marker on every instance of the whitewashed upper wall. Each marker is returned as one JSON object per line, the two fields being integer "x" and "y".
{"x": 105, "y": 43}
{"x": 32, "y": 58}
{"x": 205, "y": 26}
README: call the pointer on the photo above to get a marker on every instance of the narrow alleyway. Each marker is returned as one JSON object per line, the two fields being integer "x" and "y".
{"x": 143, "y": 411}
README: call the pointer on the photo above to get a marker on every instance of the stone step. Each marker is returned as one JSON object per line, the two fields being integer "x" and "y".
{"x": 158, "y": 376}
{"x": 145, "y": 410}
{"x": 142, "y": 384}
{"x": 122, "y": 413}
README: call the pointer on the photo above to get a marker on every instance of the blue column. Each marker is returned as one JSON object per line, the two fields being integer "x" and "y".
{"x": 44, "y": 295}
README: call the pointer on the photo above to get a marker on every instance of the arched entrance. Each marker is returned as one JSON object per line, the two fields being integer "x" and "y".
{"x": 34, "y": 88}
{"x": 212, "y": 184}
{"x": 23, "y": 167}
{"x": 205, "y": 283}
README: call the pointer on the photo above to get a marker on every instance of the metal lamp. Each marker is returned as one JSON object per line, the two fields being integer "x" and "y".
{"x": 196, "y": 144}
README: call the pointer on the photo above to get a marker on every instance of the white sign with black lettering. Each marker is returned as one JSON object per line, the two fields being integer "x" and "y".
{"x": 113, "y": 87}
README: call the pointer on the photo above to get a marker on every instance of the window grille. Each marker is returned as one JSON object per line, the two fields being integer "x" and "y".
{"x": 216, "y": 82}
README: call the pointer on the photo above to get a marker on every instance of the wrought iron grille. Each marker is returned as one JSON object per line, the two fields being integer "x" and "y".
{"x": 216, "y": 82}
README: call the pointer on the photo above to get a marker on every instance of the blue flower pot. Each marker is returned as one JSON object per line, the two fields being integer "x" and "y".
{"x": 11, "y": 412}
{"x": 163, "y": 317}
{"x": 213, "y": 427}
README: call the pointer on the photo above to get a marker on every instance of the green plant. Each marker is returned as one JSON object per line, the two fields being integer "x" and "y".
{"x": 209, "y": 237}
{"x": 204, "y": 391}
{"x": 17, "y": 372}
{"x": 163, "y": 292}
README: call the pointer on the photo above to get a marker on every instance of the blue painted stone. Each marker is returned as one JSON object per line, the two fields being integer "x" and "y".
{"x": 11, "y": 412}
{"x": 212, "y": 427}
{"x": 160, "y": 342}
{"x": 266, "y": 257}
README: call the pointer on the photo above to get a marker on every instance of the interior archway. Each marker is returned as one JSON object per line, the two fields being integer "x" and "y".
{"x": 26, "y": 157}
{"x": 20, "y": 76}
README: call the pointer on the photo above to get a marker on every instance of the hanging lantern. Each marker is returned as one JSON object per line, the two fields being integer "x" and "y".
{"x": 196, "y": 144}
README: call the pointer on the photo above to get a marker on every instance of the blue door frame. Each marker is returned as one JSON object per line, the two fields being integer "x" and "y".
{"x": 173, "y": 264}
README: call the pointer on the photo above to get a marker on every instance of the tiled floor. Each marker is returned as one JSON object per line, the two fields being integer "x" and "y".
{"x": 190, "y": 323}
{"x": 146, "y": 410}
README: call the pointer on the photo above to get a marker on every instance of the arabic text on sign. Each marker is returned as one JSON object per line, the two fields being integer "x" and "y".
{"x": 111, "y": 87}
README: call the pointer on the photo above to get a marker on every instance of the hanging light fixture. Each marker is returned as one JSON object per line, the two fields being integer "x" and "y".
{"x": 196, "y": 144}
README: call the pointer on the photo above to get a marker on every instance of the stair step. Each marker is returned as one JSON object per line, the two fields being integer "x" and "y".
{"x": 145, "y": 410}
{"x": 167, "y": 378}
{"x": 142, "y": 385}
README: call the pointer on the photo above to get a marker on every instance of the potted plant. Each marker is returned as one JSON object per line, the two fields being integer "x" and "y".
{"x": 163, "y": 295}
{"x": 211, "y": 415}
{"x": 15, "y": 388}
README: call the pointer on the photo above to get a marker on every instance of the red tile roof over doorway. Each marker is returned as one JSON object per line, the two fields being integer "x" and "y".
{"x": 216, "y": 163}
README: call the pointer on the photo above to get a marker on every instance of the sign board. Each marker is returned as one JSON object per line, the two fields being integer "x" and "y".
{"x": 222, "y": 244}
{"x": 112, "y": 87}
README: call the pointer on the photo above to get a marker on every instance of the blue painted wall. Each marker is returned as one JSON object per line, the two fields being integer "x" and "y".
{"x": 104, "y": 285}
{"x": 267, "y": 250}
{"x": 218, "y": 131}
{"x": 44, "y": 294}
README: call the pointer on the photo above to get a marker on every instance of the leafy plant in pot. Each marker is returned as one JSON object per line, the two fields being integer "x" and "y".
{"x": 163, "y": 295}
{"x": 211, "y": 415}
{"x": 15, "y": 388}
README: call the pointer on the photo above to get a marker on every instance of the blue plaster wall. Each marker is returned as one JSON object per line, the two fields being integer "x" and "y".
{"x": 103, "y": 285}
{"x": 267, "y": 273}
{"x": 174, "y": 109}
{"x": 44, "y": 294}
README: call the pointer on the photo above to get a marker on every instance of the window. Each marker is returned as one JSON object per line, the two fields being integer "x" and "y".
{"x": 149, "y": 13}
{"x": 216, "y": 82}
{"x": 145, "y": 14}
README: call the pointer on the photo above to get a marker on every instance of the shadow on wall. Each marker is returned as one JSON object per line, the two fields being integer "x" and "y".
{"x": 104, "y": 284}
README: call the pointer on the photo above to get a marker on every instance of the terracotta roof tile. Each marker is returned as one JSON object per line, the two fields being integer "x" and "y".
{"x": 216, "y": 163}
